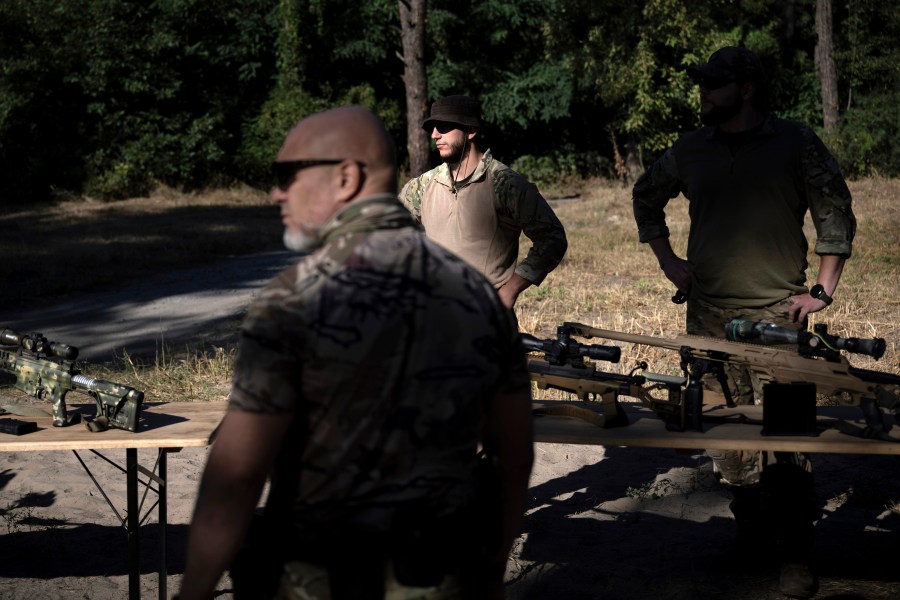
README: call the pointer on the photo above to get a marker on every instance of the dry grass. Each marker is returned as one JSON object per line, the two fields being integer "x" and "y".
{"x": 194, "y": 374}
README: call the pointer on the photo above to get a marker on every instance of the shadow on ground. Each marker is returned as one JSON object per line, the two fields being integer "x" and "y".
{"x": 593, "y": 535}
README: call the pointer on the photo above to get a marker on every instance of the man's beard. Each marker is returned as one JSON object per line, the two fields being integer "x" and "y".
{"x": 455, "y": 152}
{"x": 721, "y": 114}
{"x": 299, "y": 241}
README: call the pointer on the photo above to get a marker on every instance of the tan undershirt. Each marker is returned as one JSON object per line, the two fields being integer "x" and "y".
{"x": 465, "y": 222}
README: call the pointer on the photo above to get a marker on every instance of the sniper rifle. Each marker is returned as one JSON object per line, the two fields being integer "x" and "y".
{"x": 816, "y": 360}
{"x": 565, "y": 367}
{"x": 45, "y": 369}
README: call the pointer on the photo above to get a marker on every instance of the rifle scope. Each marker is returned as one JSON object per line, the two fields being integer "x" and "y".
{"x": 819, "y": 341}
{"x": 38, "y": 344}
{"x": 564, "y": 349}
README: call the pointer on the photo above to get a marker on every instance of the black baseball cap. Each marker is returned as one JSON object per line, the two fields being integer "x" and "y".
{"x": 731, "y": 63}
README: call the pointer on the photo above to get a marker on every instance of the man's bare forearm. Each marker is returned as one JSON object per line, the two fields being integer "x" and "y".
{"x": 239, "y": 462}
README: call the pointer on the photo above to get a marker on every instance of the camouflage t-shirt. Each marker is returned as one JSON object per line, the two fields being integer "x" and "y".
{"x": 748, "y": 200}
{"x": 384, "y": 348}
{"x": 481, "y": 218}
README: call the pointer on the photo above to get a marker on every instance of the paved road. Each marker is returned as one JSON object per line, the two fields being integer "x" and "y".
{"x": 166, "y": 311}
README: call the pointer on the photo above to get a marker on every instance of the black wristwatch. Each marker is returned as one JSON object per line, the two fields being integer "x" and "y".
{"x": 818, "y": 292}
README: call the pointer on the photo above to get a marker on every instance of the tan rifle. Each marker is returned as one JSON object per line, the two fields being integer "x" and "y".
{"x": 565, "y": 367}
{"x": 816, "y": 360}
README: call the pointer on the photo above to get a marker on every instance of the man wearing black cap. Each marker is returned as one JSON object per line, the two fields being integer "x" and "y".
{"x": 477, "y": 207}
{"x": 750, "y": 179}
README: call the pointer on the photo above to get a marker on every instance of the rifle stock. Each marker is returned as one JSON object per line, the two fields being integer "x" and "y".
{"x": 39, "y": 372}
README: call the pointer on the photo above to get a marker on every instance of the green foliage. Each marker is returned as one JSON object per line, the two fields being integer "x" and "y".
{"x": 494, "y": 50}
{"x": 547, "y": 170}
{"x": 114, "y": 97}
{"x": 543, "y": 93}
{"x": 328, "y": 54}
{"x": 185, "y": 155}
{"x": 264, "y": 134}
{"x": 866, "y": 143}
{"x": 126, "y": 94}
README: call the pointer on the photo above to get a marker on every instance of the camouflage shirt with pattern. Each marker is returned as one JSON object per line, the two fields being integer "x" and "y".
{"x": 384, "y": 349}
{"x": 748, "y": 196}
{"x": 480, "y": 219}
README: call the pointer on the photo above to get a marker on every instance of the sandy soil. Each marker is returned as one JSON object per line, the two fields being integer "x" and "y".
{"x": 611, "y": 523}
{"x": 602, "y": 523}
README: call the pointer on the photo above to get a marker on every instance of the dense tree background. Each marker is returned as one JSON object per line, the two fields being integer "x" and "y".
{"x": 113, "y": 97}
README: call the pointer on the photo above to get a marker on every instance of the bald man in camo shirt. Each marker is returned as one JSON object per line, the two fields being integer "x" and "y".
{"x": 368, "y": 376}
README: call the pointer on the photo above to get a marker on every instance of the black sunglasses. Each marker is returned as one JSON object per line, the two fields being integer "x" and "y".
{"x": 285, "y": 171}
{"x": 713, "y": 83}
{"x": 444, "y": 128}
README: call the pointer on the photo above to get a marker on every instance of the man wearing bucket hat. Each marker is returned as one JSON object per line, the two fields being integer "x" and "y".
{"x": 750, "y": 179}
{"x": 476, "y": 207}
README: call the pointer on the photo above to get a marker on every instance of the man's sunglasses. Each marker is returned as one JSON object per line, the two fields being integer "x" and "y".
{"x": 444, "y": 128}
{"x": 285, "y": 171}
{"x": 713, "y": 83}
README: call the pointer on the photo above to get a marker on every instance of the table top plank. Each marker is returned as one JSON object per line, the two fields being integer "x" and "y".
{"x": 162, "y": 425}
{"x": 648, "y": 431}
{"x": 191, "y": 424}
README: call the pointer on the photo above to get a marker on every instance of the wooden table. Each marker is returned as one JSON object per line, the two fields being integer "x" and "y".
{"x": 647, "y": 430}
{"x": 164, "y": 427}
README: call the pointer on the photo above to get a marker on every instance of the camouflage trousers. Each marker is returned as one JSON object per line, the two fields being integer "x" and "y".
{"x": 741, "y": 467}
{"x": 308, "y": 581}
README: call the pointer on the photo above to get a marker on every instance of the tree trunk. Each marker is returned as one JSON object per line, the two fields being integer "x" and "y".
{"x": 634, "y": 162}
{"x": 825, "y": 62}
{"x": 412, "y": 32}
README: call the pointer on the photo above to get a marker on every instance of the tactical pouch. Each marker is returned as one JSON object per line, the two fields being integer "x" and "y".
{"x": 789, "y": 409}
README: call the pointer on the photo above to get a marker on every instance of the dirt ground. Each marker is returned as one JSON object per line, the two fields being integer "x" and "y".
{"x": 602, "y": 522}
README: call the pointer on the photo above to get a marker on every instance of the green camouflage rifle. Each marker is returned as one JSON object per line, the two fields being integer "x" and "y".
{"x": 565, "y": 367}
{"x": 46, "y": 370}
{"x": 812, "y": 357}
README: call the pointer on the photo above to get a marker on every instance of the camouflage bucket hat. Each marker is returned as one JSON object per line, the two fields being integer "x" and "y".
{"x": 729, "y": 63}
{"x": 459, "y": 110}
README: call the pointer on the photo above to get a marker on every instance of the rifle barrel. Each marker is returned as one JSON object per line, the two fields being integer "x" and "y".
{"x": 634, "y": 338}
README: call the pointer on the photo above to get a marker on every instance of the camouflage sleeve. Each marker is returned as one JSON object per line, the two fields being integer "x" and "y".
{"x": 519, "y": 200}
{"x": 652, "y": 193}
{"x": 411, "y": 195}
{"x": 266, "y": 369}
{"x": 828, "y": 198}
